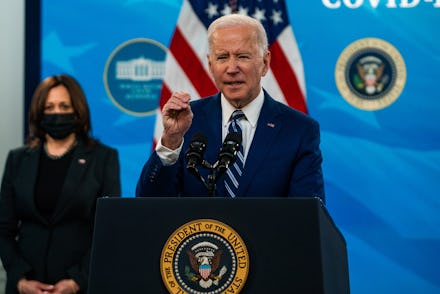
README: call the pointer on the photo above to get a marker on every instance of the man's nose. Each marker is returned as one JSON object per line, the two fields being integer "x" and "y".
{"x": 233, "y": 65}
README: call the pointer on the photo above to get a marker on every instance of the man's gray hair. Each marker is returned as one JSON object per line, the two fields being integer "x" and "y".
{"x": 231, "y": 20}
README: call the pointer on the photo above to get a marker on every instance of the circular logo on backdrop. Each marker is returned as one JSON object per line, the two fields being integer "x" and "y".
{"x": 133, "y": 75}
{"x": 370, "y": 74}
{"x": 204, "y": 256}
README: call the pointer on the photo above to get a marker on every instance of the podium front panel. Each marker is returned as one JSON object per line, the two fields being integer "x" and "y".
{"x": 293, "y": 244}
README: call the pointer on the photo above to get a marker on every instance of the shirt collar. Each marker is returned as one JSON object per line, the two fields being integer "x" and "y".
{"x": 252, "y": 110}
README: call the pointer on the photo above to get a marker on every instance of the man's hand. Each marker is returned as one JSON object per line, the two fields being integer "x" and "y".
{"x": 177, "y": 118}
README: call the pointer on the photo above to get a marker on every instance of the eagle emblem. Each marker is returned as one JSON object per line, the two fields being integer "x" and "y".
{"x": 370, "y": 75}
{"x": 205, "y": 258}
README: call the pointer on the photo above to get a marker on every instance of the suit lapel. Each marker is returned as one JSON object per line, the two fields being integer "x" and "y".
{"x": 211, "y": 125}
{"x": 78, "y": 166}
{"x": 28, "y": 174}
{"x": 209, "y": 122}
{"x": 268, "y": 126}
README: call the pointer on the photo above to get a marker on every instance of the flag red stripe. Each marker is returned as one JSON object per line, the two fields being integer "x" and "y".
{"x": 165, "y": 94}
{"x": 190, "y": 62}
{"x": 286, "y": 78}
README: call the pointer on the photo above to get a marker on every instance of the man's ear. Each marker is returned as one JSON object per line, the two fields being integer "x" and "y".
{"x": 266, "y": 61}
{"x": 209, "y": 63}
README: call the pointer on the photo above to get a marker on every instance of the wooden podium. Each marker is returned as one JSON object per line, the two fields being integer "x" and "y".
{"x": 293, "y": 245}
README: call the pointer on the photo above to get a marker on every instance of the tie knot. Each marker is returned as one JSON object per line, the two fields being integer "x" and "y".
{"x": 234, "y": 126}
{"x": 237, "y": 115}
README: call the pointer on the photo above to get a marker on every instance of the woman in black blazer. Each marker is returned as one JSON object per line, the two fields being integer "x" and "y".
{"x": 49, "y": 191}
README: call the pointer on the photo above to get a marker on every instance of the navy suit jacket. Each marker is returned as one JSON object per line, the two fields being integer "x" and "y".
{"x": 284, "y": 158}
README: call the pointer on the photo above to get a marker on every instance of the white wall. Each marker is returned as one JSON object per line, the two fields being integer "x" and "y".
{"x": 12, "y": 30}
{"x": 11, "y": 83}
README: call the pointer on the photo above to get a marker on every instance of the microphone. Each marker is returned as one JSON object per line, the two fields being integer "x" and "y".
{"x": 194, "y": 154}
{"x": 230, "y": 147}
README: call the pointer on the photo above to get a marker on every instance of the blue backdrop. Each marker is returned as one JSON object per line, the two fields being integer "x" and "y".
{"x": 382, "y": 167}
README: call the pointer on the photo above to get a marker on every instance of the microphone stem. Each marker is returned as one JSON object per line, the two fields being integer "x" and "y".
{"x": 211, "y": 183}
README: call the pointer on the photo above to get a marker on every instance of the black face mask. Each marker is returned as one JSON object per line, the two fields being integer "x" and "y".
{"x": 59, "y": 126}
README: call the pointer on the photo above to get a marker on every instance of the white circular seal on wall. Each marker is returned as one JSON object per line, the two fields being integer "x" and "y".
{"x": 133, "y": 76}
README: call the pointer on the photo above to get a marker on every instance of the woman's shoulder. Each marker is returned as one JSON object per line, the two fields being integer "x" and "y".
{"x": 98, "y": 147}
{"x": 23, "y": 150}
{"x": 106, "y": 148}
{"x": 18, "y": 154}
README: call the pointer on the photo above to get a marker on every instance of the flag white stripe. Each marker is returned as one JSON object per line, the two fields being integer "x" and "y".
{"x": 286, "y": 41}
{"x": 190, "y": 26}
{"x": 178, "y": 79}
{"x": 270, "y": 84}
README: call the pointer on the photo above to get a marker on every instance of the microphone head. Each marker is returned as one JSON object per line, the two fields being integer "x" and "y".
{"x": 233, "y": 137}
{"x": 199, "y": 137}
{"x": 196, "y": 149}
{"x": 228, "y": 151}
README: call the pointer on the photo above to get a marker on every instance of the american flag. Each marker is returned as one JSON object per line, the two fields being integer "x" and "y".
{"x": 186, "y": 66}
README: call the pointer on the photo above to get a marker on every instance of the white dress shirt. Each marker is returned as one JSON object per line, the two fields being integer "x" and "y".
{"x": 248, "y": 125}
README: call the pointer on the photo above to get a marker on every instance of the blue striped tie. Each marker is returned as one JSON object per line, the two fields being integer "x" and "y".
{"x": 234, "y": 172}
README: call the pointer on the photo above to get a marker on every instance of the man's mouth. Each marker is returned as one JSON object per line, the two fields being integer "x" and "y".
{"x": 234, "y": 83}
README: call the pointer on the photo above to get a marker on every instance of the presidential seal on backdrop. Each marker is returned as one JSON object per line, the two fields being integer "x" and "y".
{"x": 204, "y": 256}
{"x": 133, "y": 76}
{"x": 370, "y": 74}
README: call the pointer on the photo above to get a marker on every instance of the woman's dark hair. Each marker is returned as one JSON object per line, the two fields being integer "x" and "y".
{"x": 79, "y": 103}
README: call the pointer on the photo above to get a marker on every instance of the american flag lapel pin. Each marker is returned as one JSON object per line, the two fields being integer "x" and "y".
{"x": 271, "y": 125}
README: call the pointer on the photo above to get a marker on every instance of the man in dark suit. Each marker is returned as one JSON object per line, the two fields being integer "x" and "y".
{"x": 280, "y": 153}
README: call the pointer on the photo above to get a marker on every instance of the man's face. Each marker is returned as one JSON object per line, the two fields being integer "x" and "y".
{"x": 236, "y": 64}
